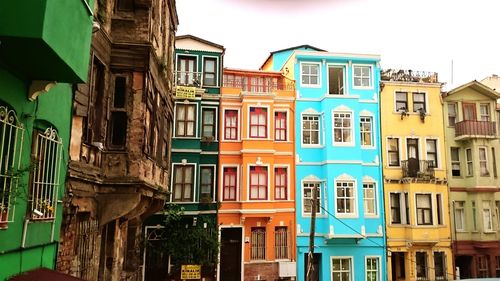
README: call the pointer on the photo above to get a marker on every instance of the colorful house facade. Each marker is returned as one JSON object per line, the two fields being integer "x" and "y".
{"x": 415, "y": 186}
{"x": 338, "y": 153}
{"x": 472, "y": 146}
{"x": 35, "y": 116}
{"x": 256, "y": 176}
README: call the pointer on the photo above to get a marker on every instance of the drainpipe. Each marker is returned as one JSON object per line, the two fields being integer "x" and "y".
{"x": 25, "y": 230}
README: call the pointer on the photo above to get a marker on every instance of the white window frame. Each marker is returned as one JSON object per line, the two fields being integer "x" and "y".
{"x": 354, "y": 213}
{"x": 11, "y": 126}
{"x": 399, "y": 139}
{"x": 481, "y": 115}
{"x": 490, "y": 217}
{"x": 268, "y": 167}
{"x": 372, "y": 131}
{"x": 379, "y": 271}
{"x": 404, "y": 216}
{"x": 396, "y": 110}
{"x": 375, "y": 197}
{"x": 196, "y": 121}
{"x": 319, "y": 211}
{"x": 352, "y": 127}
{"x": 287, "y": 112}
{"x": 195, "y": 72}
{"x": 308, "y": 85}
{"x": 351, "y": 269}
{"x": 282, "y": 166}
{"x": 470, "y": 171}
{"x": 221, "y": 183}
{"x": 455, "y": 162}
{"x": 462, "y": 215}
{"x": 172, "y": 183}
{"x": 268, "y": 123}
{"x": 217, "y": 71}
{"x": 214, "y": 178}
{"x": 371, "y": 78}
{"x": 216, "y": 120}
{"x": 346, "y": 78}
{"x": 455, "y": 107}
{"x": 44, "y": 194}
{"x": 438, "y": 151}
{"x": 433, "y": 222}
{"x": 485, "y": 161}
{"x": 426, "y": 103}
{"x": 238, "y": 122}
{"x": 302, "y": 144}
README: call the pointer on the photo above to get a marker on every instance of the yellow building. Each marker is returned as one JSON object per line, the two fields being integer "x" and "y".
{"x": 415, "y": 186}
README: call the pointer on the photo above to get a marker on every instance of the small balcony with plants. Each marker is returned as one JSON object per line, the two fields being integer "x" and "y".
{"x": 420, "y": 169}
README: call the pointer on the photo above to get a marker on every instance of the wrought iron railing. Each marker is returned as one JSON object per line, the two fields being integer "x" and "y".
{"x": 258, "y": 84}
{"x": 188, "y": 78}
{"x": 413, "y": 168}
{"x": 475, "y": 128}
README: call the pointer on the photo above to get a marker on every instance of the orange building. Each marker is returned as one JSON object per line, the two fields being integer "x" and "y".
{"x": 256, "y": 176}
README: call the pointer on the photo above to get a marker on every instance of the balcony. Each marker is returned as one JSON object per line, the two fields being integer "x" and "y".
{"x": 421, "y": 169}
{"x": 46, "y": 39}
{"x": 257, "y": 82}
{"x": 188, "y": 78}
{"x": 475, "y": 129}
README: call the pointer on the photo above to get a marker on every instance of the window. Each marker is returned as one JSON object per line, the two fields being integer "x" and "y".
{"x": 92, "y": 131}
{"x": 209, "y": 72}
{"x": 47, "y": 153}
{"x": 401, "y": 101}
{"x": 231, "y": 124}
{"x": 258, "y": 183}
{"x": 452, "y": 114}
{"x": 439, "y": 208}
{"x": 484, "y": 110}
{"x": 258, "y": 122}
{"x": 482, "y": 266}
{"x": 372, "y": 269}
{"x": 424, "y": 209}
{"x": 310, "y": 74}
{"x": 366, "y": 131}
{"x": 341, "y": 269}
{"x": 468, "y": 158}
{"x": 186, "y": 71}
{"x": 118, "y": 110}
{"x": 432, "y": 155}
{"x": 455, "y": 161}
{"x": 281, "y": 243}
{"x": 474, "y": 215}
{"x": 469, "y": 111}
{"x": 362, "y": 76}
{"x": 342, "y": 127}
{"x": 345, "y": 197}
{"x": 400, "y": 209}
{"x": 258, "y": 243}
{"x": 459, "y": 215}
{"x": 206, "y": 183}
{"x": 280, "y": 183}
{"x": 229, "y": 184}
{"x": 393, "y": 151}
{"x": 440, "y": 265}
{"x": 125, "y": 5}
{"x": 310, "y": 129}
{"x": 336, "y": 80}
{"x": 370, "y": 200}
{"x": 280, "y": 126}
{"x": 421, "y": 263}
{"x": 208, "y": 123}
{"x": 11, "y": 146}
{"x": 493, "y": 157}
{"x": 497, "y": 213}
{"x": 483, "y": 162}
{"x": 487, "y": 222}
{"x": 308, "y": 197}
{"x": 183, "y": 183}
{"x": 185, "y": 120}
{"x": 419, "y": 102}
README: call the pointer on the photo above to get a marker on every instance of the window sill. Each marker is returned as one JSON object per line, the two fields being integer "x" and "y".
{"x": 312, "y": 146}
{"x": 348, "y": 216}
{"x": 231, "y": 140}
{"x": 342, "y": 144}
{"x": 489, "y": 232}
{"x": 368, "y": 147}
{"x": 310, "y": 85}
{"x": 362, "y": 87}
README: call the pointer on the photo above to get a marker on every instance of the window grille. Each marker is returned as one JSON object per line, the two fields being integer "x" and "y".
{"x": 281, "y": 242}
{"x": 47, "y": 154}
{"x": 11, "y": 140}
{"x": 258, "y": 244}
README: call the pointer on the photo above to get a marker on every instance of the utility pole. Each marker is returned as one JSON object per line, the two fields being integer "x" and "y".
{"x": 310, "y": 262}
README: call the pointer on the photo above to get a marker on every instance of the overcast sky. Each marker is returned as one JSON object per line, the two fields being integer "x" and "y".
{"x": 419, "y": 35}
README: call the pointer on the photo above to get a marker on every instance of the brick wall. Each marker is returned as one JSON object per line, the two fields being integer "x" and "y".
{"x": 266, "y": 271}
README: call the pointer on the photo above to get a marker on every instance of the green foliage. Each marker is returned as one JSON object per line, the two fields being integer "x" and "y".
{"x": 187, "y": 242}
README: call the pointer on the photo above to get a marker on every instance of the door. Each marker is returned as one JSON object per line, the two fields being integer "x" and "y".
{"x": 156, "y": 263}
{"x": 469, "y": 111}
{"x": 336, "y": 80}
{"x": 412, "y": 154}
{"x": 186, "y": 71}
{"x": 230, "y": 254}
{"x": 315, "y": 265}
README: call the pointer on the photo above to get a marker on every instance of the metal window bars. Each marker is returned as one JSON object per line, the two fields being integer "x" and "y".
{"x": 281, "y": 243}
{"x": 258, "y": 244}
{"x": 47, "y": 155}
{"x": 11, "y": 140}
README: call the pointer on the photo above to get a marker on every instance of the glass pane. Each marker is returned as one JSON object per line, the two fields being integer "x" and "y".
{"x": 209, "y": 65}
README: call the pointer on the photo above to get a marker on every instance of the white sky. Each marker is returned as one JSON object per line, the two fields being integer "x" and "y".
{"x": 419, "y": 35}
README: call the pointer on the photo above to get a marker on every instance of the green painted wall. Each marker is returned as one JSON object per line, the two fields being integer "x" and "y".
{"x": 52, "y": 108}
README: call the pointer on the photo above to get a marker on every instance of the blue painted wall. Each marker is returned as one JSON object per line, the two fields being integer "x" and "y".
{"x": 355, "y": 237}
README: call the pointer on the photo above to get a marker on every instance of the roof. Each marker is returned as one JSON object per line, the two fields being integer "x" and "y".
{"x": 43, "y": 274}
{"x": 477, "y": 86}
{"x": 289, "y": 49}
{"x": 189, "y": 36}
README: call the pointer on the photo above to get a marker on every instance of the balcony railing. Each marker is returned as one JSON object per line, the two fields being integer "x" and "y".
{"x": 475, "y": 129}
{"x": 188, "y": 78}
{"x": 258, "y": 84}
{"x": 414, "y": 168}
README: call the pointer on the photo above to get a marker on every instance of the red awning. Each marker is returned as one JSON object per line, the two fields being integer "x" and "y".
{"x": 43, "y": 274}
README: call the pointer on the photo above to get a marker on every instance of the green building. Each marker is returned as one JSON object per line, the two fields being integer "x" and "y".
{"x": 44, "y": 49}
{"x": 195, "y": 146}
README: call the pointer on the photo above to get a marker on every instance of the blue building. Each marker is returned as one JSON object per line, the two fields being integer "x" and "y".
{"x": 338, "y": 151}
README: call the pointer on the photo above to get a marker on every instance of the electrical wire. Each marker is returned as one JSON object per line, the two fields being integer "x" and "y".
{"x": 378, "y": 244}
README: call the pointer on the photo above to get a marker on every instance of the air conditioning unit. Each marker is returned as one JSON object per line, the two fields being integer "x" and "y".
{"x": 287, "y": 269}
